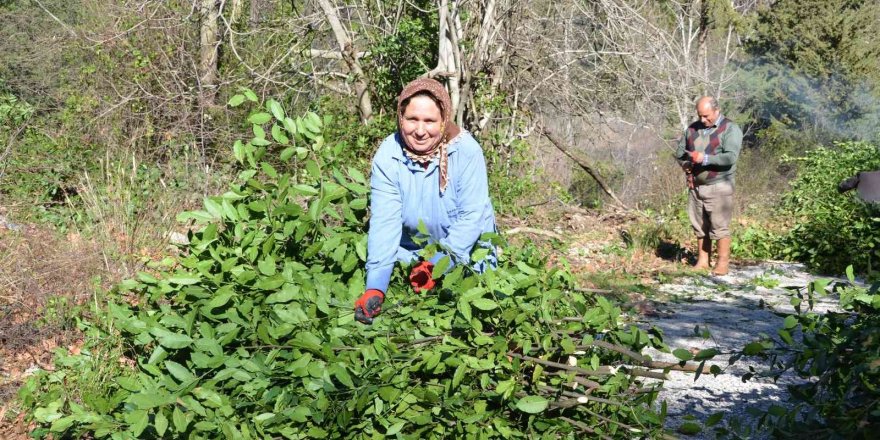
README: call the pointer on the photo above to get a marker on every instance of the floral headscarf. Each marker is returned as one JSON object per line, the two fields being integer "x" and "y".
{"x": 449, "y": 129}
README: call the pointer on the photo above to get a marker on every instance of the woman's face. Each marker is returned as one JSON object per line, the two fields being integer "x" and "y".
{"x": 421, "y": 124}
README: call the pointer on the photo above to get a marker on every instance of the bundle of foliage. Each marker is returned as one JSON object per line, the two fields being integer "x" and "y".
{"x": 249, "y": 333}
{"x": 832, "y": 230}
{"x": 840, "y": 354}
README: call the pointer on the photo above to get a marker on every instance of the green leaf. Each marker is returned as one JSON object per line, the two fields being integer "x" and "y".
{"x": 181, "y": 373}
{"x": 690, "y": 428}
{"x": 459, "y": 375}
{"x": 708, "y": 353}
{"x": 220, "y": 299}
{"x": 171, "y": 340}
{"x": 290, "y": 126}
{"x": 358, "y": 204}
{"x": 786, "y": 336}
{"x": 184, "y": 280}
{"x": 210, "y": 397}
{"x": 260, "y": 118}
{"x": 236, "y": 100}
{"x": 279, "y": 136}
{"x": 267, "y": 266}
{"x": 213, "y": 208}
{"x": 250, "y": 95}
{"x": 422, "y": 228}
{"x": 263, "y": 417}
{"x": 199, "y": 216}
{"x": 357, "y": 176}
{"x": 180, "y": 420}
{"x": 305, "y": 190}
{"x": 288, "y": 293}
{"x": 313, "y": 169}
{"x": 440, "y": 267}
{"x": 312, "y": 122}
{"x": 682, "y": 354}
{"x": 149, "y": 400}
{"x": 287, "y": 153}
{"x": 49, "y": 413}
{"x": 753, "y": 348}
{"x": 274, "y": 107}
{"x": 790, "y": 322}
{"x": 525, "y": 268}
{"x": 714, "y": 419}
{"x": 341, "y": 373}
{"x": 160, "y": 422}
{"x": 138, "y": 421}
{"x": 465, "y": 309}
{"x": 259, "y": 133}
{"x": 62, "y": 424}
{"x": 485, "y": 304}
{"x": 395, "y": 428}
{"x": 479, "y": 254}
{"x": 532, "y": 404}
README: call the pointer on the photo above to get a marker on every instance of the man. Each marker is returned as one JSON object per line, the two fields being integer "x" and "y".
{"x": 708, "y": 153}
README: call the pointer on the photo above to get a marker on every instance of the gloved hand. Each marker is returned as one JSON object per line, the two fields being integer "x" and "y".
{"x": 420, "y": 278}
{"x": 848, "y": 184}
{"x": 368, "y": 306}
{"x": 697, "y": 157}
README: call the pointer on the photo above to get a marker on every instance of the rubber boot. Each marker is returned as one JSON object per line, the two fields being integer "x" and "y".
{"x": 722, "y": 266}
{"x": 704, "y": 248}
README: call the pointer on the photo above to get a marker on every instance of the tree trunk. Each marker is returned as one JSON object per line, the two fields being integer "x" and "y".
{"x": 346, "y": 48}
{"x": 447, "y": 48}
{"x": 209, "y": 42}
{"x": 703, "y": 42}
{"x": 235, "y": 14}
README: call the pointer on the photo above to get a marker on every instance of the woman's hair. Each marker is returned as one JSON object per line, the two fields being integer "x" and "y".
{"x": 405, "y": 103}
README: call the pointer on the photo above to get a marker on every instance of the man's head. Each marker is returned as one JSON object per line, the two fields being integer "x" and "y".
{"x": 708, "y": 110}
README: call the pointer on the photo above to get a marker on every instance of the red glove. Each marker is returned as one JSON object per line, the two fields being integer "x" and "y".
{"x": 420, "y": 278}
{"x": 368, "y": 306}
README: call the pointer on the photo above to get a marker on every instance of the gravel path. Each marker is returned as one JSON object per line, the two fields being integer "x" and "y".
{"x": 736, "y": 309}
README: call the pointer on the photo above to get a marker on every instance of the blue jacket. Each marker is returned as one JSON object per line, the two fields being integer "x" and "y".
{"x": 402, "y": 193}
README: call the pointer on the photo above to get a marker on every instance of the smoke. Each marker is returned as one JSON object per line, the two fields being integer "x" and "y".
{"x": 829, "y": 107}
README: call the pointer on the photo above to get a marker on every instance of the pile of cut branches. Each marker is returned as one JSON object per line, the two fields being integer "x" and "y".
{"x": 250, "y": 333}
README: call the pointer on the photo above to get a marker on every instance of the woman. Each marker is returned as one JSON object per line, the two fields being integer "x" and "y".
{"x": 429, "y": 171}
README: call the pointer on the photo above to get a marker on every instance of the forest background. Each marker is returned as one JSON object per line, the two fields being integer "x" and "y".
{"x": 123, "y": 103}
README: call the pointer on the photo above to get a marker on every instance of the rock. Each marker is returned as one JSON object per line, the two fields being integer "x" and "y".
{"x": 175, "y": 237}
{"x": 735, "y": 311}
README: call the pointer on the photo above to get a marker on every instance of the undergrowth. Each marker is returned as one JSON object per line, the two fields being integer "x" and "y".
{"x": 250, "y": 333}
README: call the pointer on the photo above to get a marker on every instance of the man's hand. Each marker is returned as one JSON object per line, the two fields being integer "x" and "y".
{"x": 368, "y": 306}
{"x": 848, "y": 184}
{"x": 420, "y": 278}
{"x": 697, "y": 156}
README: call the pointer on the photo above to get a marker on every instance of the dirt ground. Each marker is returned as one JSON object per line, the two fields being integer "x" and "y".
{"x": 43, "y": 276}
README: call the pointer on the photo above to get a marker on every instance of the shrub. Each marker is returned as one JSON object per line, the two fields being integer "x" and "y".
{"x": 838, "y": 353}
{"x": 832, "y": 230}
{"x": 250, "y": 333}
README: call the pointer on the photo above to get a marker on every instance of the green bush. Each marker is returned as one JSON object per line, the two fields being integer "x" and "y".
{"x": 756, "y": 243}
{"x": 831, "y": 230}
{"x": 250, "y": 332}
{"x": 839, "y": 353}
